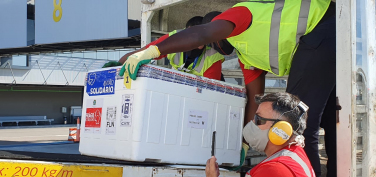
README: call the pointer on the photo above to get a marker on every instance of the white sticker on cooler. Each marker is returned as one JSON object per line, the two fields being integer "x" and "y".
{"x": 126, "y": 110}
{"x": 111, "y": 120}
{"x": 197, "y": 119}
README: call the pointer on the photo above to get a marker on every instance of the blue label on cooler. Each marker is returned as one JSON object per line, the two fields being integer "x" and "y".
{"x": 101, "y": 82}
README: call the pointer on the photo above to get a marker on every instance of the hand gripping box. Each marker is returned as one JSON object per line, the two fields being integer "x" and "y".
{"x": 163, "y": 116}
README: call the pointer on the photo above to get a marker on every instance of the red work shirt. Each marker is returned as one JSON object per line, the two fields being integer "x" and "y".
{"x": 214, "y": 72}
{"x": 241, "y": 17}
{"x": 283, "y": 166}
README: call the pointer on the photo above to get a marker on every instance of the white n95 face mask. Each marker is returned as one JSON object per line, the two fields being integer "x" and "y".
{"x": 256, "y": 137}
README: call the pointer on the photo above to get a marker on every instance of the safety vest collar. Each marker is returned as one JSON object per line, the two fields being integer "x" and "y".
{"x": 179, "y": 57}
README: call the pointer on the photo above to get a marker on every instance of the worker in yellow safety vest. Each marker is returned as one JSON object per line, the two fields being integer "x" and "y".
{"x": 202, "y": 61}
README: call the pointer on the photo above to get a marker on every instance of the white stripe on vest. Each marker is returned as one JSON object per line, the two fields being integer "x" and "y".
{"x": 293, "y": 156}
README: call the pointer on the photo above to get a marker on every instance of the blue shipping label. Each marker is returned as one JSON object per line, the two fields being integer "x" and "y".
{"x": 101, "y": 82}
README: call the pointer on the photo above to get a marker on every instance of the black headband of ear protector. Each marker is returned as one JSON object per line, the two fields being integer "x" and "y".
{"x": 302, "y": 106}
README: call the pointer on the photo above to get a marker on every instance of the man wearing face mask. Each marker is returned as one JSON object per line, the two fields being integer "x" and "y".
{"x": 277, "y": 130}
{"x": 202, "y": 61}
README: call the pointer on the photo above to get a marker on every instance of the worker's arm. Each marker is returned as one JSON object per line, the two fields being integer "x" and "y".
{"x": 254, "y": 80}
{"x": 124, "y": 58}
{"x": 195, "y": 36}
{"x": 230, "y": 23}
{"x": 185, "y": 40}
{"x": 254, "y": 88}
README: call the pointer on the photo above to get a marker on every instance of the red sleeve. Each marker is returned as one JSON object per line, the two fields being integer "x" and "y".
{"x": 250, "y": 74}
{"x": 241, "y": 17}
{"x": 159, "y": 40}
{"x": 274, "y": 169}
{"x": 214, "y": 72}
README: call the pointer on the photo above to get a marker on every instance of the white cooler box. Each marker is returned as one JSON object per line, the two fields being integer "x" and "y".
{"x": 163, "y": 116}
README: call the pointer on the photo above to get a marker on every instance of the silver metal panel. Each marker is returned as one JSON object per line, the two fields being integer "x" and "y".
{"x": 160, "y": 4}
{"x": 364, "y": 129}
{"x": 134, "y": 10}
{"x": 146, "y": 17}
{"x": 137, "y": 171}
{"x": 13, "y": 20}
{"x": 345, "y": 45}
{"x": 370, "y": 159}
{"x": 172, "y": 171}
{"x": 85, "y": 20}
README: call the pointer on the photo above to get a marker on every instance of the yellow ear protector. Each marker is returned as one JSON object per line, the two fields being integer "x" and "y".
{"x": 281, "y": 131}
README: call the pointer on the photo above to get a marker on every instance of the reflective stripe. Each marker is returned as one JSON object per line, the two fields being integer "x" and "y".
{"x": 274, "y": 30}
{"x": 293, "y": 156}
{"x": 207, "y": 53}
{"x": 203, "y": 56}
{"x": 208, "y": 57}
{"x": 303, "y": 19}
{"x": 274, "y": 35}
{"x": 275, "y": 27}
{"x": 177, "y": 59}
